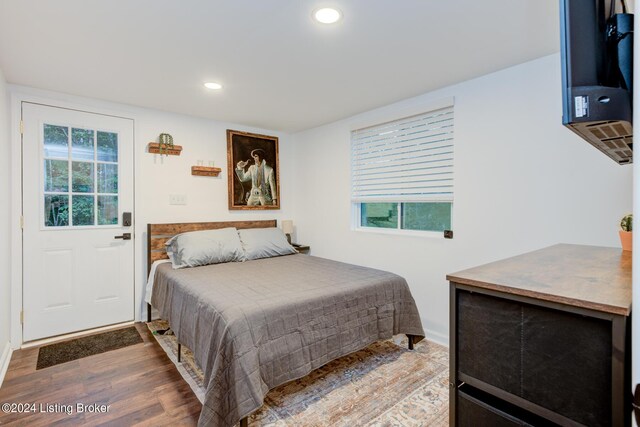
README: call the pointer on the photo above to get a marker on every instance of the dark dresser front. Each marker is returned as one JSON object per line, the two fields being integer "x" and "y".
{"x": 542, "y": 339}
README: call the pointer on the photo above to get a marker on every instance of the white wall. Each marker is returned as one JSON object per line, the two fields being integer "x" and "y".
{"x": 522, "y": 182}
{"x": 159, "y": 176}
{"x": 207, "y": 197}
{"x": 5, "y": 262}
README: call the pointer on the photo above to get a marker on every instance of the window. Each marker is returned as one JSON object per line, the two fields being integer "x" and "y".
{"x": 80, "y": 177}
{"x": 402, "y": 173}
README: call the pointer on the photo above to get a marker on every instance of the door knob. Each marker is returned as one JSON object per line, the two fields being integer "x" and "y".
{"x": 125, "y": 236}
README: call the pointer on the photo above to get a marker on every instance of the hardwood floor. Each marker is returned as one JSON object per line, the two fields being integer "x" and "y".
{"x": 139, "y": 383}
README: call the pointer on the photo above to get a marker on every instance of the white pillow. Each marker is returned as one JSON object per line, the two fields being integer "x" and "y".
{"x": 264, "y": 243}
{"x": 204, "y": 247}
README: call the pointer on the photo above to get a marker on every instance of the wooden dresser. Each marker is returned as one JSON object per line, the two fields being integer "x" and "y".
{"x": 542, "y": 339}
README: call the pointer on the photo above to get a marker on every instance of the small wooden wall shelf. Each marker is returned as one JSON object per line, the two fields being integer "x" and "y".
{"x": 205, "y": 171}
{"x": 154, "y": 147}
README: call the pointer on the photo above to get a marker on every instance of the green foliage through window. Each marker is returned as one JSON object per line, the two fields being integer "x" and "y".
{"x": 90, "y": 194}
{"x": 107, "y": 210}
{"x": 56, "y": 210}
{"x": 83, "y": 210}
{"x": 82, "y": 179}
{"x": 83, "y": 143}
{"x": 379, "y": 215}
{"x": 56, "y": 176}
{"x": 107, "y": 147}
{"x": 107, "y": 178}
{"x": 56, "y": 141}
{"x": 426, "y": 216}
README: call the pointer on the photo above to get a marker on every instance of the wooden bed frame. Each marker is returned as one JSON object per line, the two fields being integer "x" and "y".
{"x": 158, "y": 234}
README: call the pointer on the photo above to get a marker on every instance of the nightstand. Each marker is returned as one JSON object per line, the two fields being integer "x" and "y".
{"x": 302, "y": 249}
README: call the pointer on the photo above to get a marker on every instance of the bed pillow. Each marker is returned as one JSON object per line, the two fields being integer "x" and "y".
{"x": 264, "y": 243}
{"x": 204, "y": 247}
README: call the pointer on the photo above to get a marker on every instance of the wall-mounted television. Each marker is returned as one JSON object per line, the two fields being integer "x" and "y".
{"x": 597, "y": 74}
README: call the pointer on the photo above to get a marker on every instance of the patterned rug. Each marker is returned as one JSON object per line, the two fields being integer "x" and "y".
{"x": 383, "y": 385}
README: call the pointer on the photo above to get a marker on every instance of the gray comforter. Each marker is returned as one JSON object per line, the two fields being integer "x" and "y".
{"x": 258, "y": 324}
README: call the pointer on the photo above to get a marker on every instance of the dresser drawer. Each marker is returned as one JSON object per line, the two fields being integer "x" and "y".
{"x": 474, "y": 413}
{"x": 478, "y": 409}
{"x": 558, "y": 360}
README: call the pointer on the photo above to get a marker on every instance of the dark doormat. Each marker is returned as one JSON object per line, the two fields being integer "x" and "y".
{"x": 87, "y": 346}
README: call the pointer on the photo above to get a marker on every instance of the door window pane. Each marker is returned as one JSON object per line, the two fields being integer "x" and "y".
{"x": 107, "y": 146}
{"x": 56, "y": 141}
{"x": 107, "y": 210}
{"x": 83, "y": 210}
{"x": 56, "y": 210}
{"x": 107, "y": 178}
{"x": 380, "y": 215}
{"x": 426, "y": 216}
{"x": 56, "y": 175}
{"x": 89, "y": 188}
{"x": 82, "y": 144}
{"x": 82, "y": 179}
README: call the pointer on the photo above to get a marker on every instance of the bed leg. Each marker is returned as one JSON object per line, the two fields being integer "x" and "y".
{"x": 179, "y": 352}
{"x": 410, "y": 339}
{"x": 148, "y": 312}
{"x": 244, "y": 422}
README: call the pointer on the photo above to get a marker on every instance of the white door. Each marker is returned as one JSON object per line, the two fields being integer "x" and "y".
{"x": 78, "y": 269}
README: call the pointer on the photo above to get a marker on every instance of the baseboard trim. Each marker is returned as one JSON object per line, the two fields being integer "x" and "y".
{"x": 438, "y": 338}
{"x": 435, "y": 332}
{"x": 4, "y": 361}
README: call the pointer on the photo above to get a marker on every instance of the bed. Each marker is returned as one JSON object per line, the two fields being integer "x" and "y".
{"x": 257, "y": 324}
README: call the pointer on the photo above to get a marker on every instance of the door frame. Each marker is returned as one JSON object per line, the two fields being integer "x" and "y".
{"x": 18, "y": 96}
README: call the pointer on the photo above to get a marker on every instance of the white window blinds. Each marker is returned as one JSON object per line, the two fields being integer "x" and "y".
{"x": 406, "y": 160}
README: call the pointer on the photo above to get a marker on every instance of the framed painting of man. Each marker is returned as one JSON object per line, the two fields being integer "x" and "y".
{"x": 254, "y": 171}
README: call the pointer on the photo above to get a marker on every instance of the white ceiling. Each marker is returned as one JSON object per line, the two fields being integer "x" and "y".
{"x": 280, "y": 70}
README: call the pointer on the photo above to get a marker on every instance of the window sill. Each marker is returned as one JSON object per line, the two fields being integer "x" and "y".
{"x": 398, "y": 232}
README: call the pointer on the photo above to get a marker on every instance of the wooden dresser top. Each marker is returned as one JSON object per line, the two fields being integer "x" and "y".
{"x": 590, "y": 277}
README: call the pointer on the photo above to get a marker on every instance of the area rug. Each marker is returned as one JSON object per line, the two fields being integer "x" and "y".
{"x": 382, "y": 385}
{"x": 67, "y": 351}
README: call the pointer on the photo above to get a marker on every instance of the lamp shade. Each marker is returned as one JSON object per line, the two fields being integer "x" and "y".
{"x": 287, "y": 226}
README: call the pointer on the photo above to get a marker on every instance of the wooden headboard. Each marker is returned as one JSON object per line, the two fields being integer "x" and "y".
{"x": 158, "y": 234}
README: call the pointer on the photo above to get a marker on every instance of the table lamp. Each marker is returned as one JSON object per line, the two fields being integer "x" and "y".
{"x": 287, "y": 228}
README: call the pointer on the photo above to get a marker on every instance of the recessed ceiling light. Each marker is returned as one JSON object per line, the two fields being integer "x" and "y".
{"x": 214, "y": 86}
{"x": 327, "y": 15}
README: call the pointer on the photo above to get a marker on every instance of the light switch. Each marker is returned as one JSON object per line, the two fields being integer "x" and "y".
{"x": 177, "y": 199}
